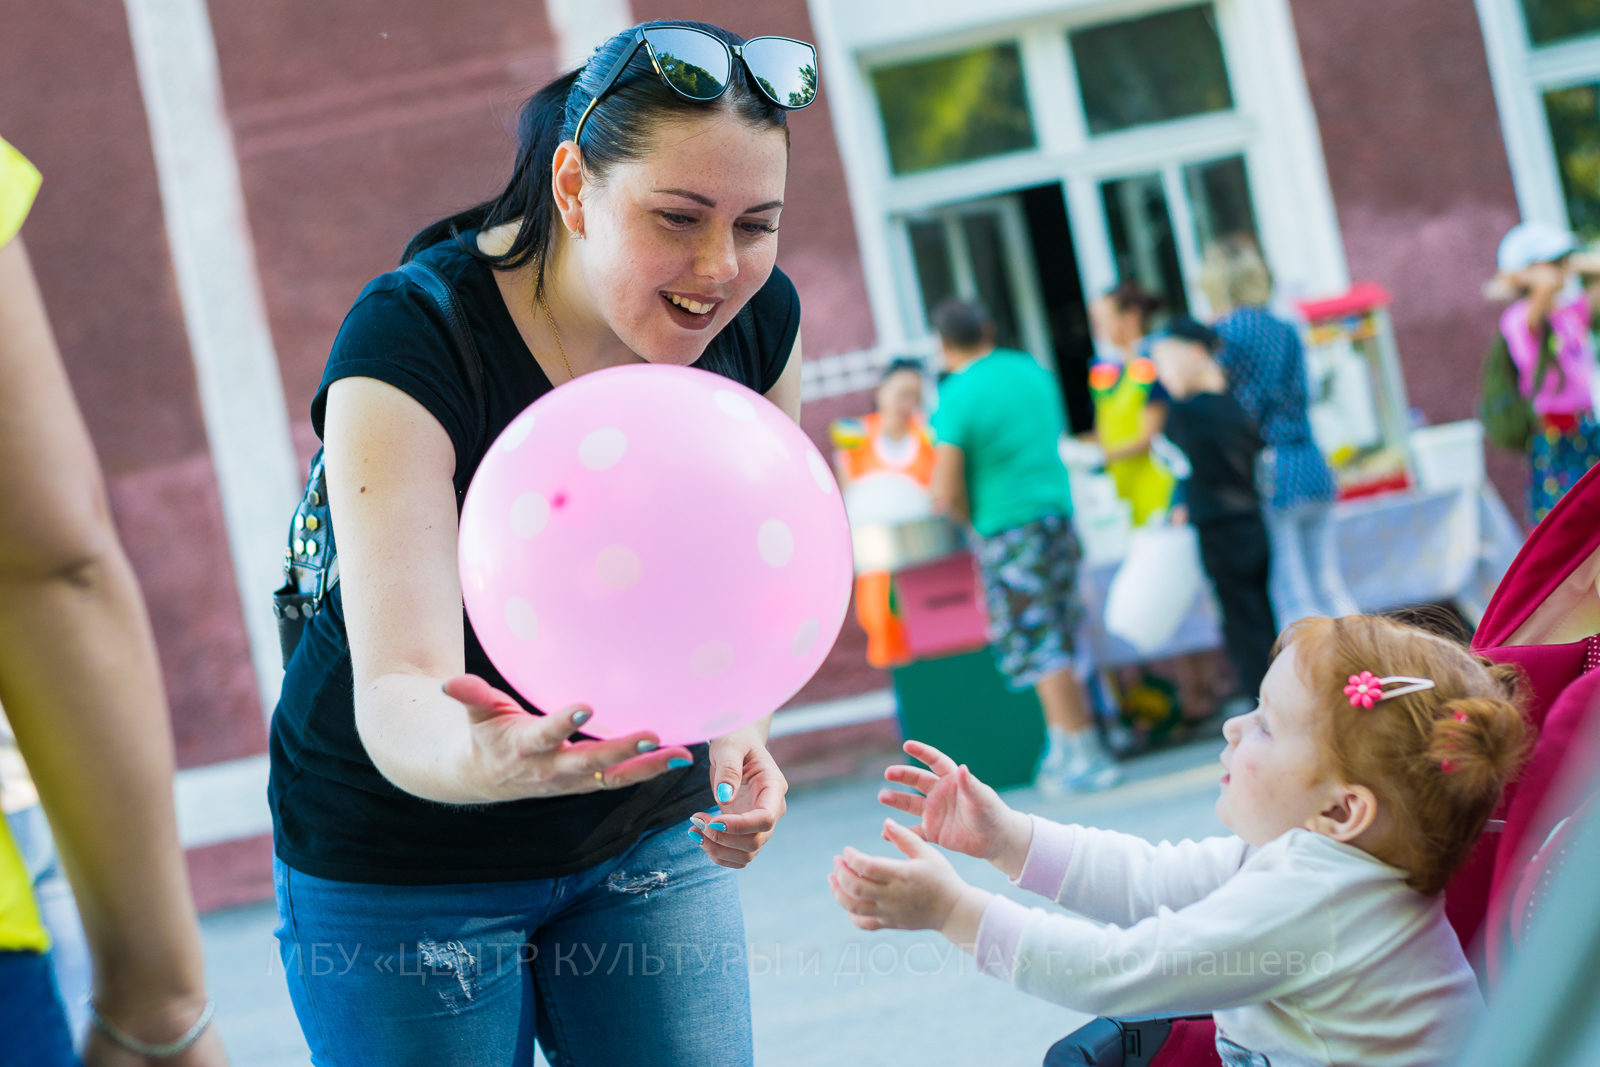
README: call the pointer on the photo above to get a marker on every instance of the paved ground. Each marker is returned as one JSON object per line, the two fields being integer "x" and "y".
{"x": 824, "y": 993}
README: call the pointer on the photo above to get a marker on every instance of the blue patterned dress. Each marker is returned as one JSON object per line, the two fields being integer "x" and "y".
{"x": 1266, "y": 369}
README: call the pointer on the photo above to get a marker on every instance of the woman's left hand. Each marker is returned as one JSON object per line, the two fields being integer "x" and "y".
{"x": 743, "y": 771}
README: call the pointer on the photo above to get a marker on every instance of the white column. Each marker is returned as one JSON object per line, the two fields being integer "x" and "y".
{"x": 865, "y": 160}
{"x": 581, "y": 25}
{"x": 1529, "y": 148}
{"x": 241, "y": 391}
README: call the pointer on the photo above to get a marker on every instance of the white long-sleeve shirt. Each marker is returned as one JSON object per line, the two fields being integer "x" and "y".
{"x": 1307, "y": 951}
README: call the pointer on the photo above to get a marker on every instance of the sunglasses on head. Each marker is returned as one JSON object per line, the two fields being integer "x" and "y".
{"x": 699, "y": 66}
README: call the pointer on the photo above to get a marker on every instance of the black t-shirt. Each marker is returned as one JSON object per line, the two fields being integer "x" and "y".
{"x": 1222, "y": 444}
{"x": 334, "y": 815}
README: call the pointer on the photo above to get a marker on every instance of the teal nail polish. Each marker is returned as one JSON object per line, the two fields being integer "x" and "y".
{"x": 678, "y": 763}
{"x": 696, "y": 835}
{"x": 646, "y": 746}
{"x": 720, "y": 826}
{"x": 724, "y": 793}
{"x": 581, "y": 717}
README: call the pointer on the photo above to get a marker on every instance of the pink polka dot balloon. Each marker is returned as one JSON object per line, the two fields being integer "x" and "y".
{"x": 661, "y": 544}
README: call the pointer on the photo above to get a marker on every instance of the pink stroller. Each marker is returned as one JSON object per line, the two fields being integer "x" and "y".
{"x": 1545, "y": 618}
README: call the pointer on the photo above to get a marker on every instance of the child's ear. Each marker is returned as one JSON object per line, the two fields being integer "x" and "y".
{"x": 1349, "y": 813}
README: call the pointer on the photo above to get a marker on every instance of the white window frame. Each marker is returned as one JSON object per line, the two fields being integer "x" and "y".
{"x": 1019, "y": 252}
{"x": 1521, "y": 74}
{"x": 1289, "y": 184}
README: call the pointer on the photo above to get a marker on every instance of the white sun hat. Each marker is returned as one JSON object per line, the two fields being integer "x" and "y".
{"x": 1528, "y": 243}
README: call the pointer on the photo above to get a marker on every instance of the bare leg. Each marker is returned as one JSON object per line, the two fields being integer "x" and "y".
{"x": 1064, "y": 702}
{"x": 1074, "y": 759}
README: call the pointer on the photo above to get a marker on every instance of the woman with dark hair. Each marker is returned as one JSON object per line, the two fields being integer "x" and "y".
{"x": 457, "y": 878}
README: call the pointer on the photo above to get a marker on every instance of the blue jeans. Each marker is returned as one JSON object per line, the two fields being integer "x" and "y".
{"x": 69, "y": 951}
{"x": 33, "y": 1028}
{"x": 638, "y": 960}
{"x": 1305, "y": 578}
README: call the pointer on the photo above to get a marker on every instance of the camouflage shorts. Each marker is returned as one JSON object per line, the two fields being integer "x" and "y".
{"x": 1030, "y": 582}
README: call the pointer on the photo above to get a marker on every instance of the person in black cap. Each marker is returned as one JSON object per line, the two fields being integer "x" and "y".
{"x": 1219, "y": 495}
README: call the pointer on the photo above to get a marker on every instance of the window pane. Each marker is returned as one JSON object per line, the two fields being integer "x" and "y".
{"x": 1575, "y": 130}
{"x": 986, "y": 249}
{"x": 954, "y": 108}
{"x": 1219, "y": 198}
{"x": 935, "y": 274}
{"x": 1141, "y": 238}
{"x": 1556, "y": 20}
{"x": 1152, "y": 69}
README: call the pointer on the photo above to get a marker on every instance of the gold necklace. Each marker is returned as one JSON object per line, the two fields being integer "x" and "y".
{"x": 551, "y": 319}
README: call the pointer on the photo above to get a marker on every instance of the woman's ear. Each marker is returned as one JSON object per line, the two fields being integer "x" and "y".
{"x": 567, "y": 183}
{"x": 1350, "y": 812}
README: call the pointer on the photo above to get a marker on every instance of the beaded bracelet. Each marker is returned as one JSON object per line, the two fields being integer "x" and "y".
{"x": 133, "y": 1044}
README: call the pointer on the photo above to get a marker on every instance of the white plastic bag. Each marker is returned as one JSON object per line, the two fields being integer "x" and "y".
{"x": 885, "y": 498}
{"x": 1155, "y": 587}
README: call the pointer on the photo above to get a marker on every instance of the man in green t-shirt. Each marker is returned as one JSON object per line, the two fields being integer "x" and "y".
{"x": 997, "y": 427}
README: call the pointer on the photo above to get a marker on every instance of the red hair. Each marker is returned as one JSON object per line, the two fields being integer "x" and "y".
{"x": 1437, "y": 760}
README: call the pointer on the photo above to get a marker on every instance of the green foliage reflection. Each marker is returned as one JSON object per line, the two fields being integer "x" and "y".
{"x": 687, "y": 78}
{"x": 1151, "y": 69}
{"x": 1574, "y": 116}
{"x": 1557, "y": 20}
{"x": 954, "y": 108}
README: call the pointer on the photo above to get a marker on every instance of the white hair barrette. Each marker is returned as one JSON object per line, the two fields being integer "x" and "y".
{"x": 1366, "y": 689}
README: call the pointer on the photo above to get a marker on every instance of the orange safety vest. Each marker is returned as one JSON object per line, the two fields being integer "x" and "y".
{"x": 857, "y": 441}
{"x": 858, "y": 455}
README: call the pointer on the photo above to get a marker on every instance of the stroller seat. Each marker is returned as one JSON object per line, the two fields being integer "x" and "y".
{"x": 1545, "y": 618}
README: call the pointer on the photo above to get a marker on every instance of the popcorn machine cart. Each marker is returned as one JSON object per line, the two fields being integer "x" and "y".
{"x": 1359, "y": 413}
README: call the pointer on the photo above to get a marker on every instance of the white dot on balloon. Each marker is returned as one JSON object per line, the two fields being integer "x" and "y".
{"x": 603, "y": 449}
{"x": 618, "y": 567}
{"x": 516, "y": 433}
{"x": 819, "y": 471}
{"x": 711, "y": 659}
{"x": 521, "y": 619}
{"x": 776, "y": 542}
{"x": 718, "y": 725}
{"x": 735, "y": 406}
{"x": 806, "y": 636}
{"x": 529, "y": 514}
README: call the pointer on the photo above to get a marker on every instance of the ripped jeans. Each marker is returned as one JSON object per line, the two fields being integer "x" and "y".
{"x": 638, "y": 960}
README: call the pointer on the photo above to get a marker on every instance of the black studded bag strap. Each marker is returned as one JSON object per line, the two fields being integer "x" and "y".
{"x": 310, "y": 560}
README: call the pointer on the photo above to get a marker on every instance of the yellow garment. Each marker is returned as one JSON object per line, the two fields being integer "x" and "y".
{"x": 19, "y": 183}
{"x": 20, "y": 928}
{"x": 1121, "y": 395}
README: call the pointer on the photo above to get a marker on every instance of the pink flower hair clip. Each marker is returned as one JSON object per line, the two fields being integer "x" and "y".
{"x": 1366, "y": 689}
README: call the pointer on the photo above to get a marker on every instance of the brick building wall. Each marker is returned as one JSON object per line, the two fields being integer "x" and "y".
{"x": 1420, "y": 179}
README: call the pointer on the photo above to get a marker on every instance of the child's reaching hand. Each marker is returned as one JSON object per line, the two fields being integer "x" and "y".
{"x": 958, "y": 811}
{"x": 920, "y": 892}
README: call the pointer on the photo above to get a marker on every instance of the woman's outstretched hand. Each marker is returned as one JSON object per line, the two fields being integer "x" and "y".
{"x": 516, "y": 755}
{"x": 958, "y": 811}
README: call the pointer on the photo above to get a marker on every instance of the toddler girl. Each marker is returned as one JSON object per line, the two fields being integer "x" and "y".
{"x": 1317, "y": 934}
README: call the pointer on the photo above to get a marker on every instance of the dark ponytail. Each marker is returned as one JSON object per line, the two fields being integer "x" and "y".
{"x": 526, "y": 196}
{"x": 619, "y": 130}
